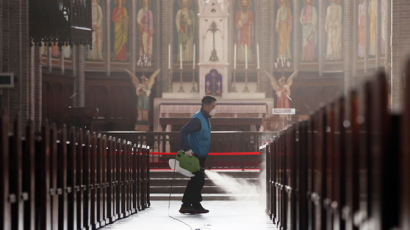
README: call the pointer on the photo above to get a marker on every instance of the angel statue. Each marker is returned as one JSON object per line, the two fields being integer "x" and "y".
{"x": 143, "y": 91}
{"x": 282, "y": 89}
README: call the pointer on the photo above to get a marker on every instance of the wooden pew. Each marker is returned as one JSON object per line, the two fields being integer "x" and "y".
{"x": 5, "y": 209}
{"x": 301, "y": 175}
{"x": 16, "y": 177}
{"x": 68, "y": 180}
{"x": 62, "y": 191}
{"x": 405, "y": 158}
{"x": 72, "y": 186}
{"x": 29, "y": 180}
{"x": 352, "y": 144}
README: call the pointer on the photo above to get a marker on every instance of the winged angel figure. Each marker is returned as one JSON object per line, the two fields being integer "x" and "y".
{"x": 143, "y": 91}
{"x": 282, "y": 89}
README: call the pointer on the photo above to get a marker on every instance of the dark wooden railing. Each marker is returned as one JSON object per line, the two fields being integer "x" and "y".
{"x": 69, "y": 178}
{"x": 229, "y": 149}
{"x": 341, "y": 169}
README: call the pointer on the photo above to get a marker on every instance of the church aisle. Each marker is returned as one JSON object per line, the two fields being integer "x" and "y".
{"x": 223, "y": 215}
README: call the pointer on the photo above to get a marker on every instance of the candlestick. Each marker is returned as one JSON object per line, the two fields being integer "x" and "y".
{"x": 234, "y": 56}
{"x": 257, "y": 53}
{"x": 194, "y": 57}
{"x": 169, "y": 56}
{"x": 180, "y": 56}
{"x": 246, "y": 56}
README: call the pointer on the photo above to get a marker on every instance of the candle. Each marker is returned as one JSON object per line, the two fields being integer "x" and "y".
{"x": 246, "y": 56}
{"x": 234, "y": 56}
{"x": 180, "y": 56}
{"x": 169, "y": 56}
{"x": 194, "y": 57}
{"x": 257, "y": 53}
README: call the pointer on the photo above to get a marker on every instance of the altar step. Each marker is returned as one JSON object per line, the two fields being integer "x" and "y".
{"x": 161, "y": 182}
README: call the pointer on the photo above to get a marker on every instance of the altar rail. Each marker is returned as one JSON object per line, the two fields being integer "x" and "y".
{"x": 341, "y": 169}
{"x": 229, "y": 149}
{"x": 69, "y": 178}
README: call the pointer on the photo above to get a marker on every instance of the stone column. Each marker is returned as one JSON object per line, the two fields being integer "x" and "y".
{"x": 367, "y": 37}
{"x": 107, "y": 35}
{"x": 166, "y": 36}
{"x": 348, "y": 44}
{"x": 400, "y": 48}
{"x": 296, "y": 34}
{"x": 156, "y": 49}
{"x": 38, "y": 89}
{"x": 81, "y": 76}
{"x": 31, "y": 84}
{"x": 378, "y": 32}
{"x": 267, "y": 41}
{"x": 387, "y": 62}
{"x": 74, "y": 57}
{"x": 321, "y": 28}
{"x": 354, "y": 34}
{"x": 133, "y": 36}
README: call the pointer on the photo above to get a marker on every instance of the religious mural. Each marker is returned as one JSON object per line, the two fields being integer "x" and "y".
{"x": 185, "y": 25}
{"x": 334, "y": 28}
{"x": 213, "y": 83}
{"x": 96, "y": 51}
{"x": 120, "y": 29}
{"x": 283, "y": 29}
{"x": 244, "y": 30}
{"x": 145, "y": 23}
{"x": 309, "y": 24}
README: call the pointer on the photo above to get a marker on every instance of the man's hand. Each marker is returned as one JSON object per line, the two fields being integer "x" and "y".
{"x": 189, "y": 153}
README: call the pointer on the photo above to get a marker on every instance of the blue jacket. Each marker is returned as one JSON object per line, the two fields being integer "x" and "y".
{"x": 196, "y": 135}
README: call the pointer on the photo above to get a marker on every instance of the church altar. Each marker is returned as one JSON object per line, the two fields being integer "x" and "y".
{"x": 247, "y": 106}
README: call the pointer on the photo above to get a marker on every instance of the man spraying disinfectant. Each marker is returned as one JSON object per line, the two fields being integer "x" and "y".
{"x": 195, "y": 139}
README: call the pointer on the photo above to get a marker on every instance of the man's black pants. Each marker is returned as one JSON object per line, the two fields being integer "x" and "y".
{"x": 194, "y": 187}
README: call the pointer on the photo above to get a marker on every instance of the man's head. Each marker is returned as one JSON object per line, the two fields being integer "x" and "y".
{"x": 208, "y": 104}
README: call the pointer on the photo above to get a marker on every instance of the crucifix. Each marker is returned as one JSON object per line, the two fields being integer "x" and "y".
{"x": 214, "y": 55}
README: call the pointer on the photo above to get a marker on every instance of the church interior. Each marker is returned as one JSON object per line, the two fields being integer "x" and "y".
{"x": 311, "y": 130}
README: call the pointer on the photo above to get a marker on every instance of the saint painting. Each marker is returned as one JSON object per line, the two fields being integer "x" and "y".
{"x": 333, "y": 27}
{"x": 96, "y": 51}
{"x": 283, "y": 28}
{"x": 120, "y": 19}
{"x": 213, "y": 83}
{"x": 185, "y": 25}
{"x": 145, "y": 23}
{"x": 244, "y": 26}
{"x": 362, "y": 29}
{"x": 308, "y": 19}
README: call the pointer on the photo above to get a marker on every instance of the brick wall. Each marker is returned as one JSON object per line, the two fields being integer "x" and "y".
{"x": 400, "y": 48}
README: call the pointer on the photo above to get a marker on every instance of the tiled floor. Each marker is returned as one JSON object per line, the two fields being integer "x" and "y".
{"x": 223, "y": 215}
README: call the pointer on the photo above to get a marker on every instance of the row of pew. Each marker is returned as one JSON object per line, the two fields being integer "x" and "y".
{"x": 346, "y": 167}
{"x": 68, "y": 178}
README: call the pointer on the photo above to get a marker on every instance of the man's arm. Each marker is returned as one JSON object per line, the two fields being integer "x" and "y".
{"x": 192, "y": 126}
